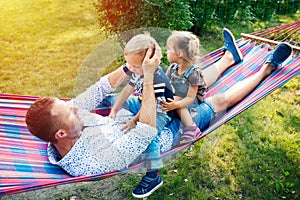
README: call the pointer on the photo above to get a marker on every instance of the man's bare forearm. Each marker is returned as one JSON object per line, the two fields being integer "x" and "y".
{"x": 148, "y": 109}
{"x": 117, "y": 77}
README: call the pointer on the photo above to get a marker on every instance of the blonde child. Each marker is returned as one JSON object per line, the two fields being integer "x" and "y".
{"x": 183, "y": 47}
{"x": 134, "y": 53}
{"x": 186, "y": 78}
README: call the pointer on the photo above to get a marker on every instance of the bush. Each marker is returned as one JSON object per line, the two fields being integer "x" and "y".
{"x": 118, "y": 16}
{"x": 204, "y": 14}
{"x": 195, "y": 15}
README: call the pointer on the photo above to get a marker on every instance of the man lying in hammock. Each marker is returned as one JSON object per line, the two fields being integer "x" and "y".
{"x": 84, "y": 143}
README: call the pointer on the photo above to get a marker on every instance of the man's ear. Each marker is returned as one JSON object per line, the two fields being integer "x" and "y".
{"x": 60, "y": 134}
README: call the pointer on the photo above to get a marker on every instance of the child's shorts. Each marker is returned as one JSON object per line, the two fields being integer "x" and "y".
{"x": 205, "y": 113}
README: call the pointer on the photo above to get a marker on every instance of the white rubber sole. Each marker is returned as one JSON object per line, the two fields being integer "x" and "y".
{"x": 147, "y": 194}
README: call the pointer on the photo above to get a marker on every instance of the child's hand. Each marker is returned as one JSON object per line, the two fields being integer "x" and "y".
{"x": 129, "y": 124}
{"x": 170, "y": 105}
{"x": 112, "y": 114}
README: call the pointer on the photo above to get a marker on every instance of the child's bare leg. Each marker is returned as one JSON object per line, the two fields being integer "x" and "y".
{"x": 185, "y": 117}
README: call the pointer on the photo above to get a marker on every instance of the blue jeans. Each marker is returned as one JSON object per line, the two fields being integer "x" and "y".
{"x": 205, "y": 113}
{"x": 152, "y": 153}
{"x": 133, "y": 104}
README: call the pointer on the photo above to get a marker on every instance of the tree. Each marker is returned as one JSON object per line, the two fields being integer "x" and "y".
{"x": 117, "y": 16}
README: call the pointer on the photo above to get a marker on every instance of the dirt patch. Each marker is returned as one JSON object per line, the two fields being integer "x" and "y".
{"x": 102, "y": 189}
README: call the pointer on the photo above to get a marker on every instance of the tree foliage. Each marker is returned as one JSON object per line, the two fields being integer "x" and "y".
{"x": 117, "y": 16}
{"x": 196, "y": 15}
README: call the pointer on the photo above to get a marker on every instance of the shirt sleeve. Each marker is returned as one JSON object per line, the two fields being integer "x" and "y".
{"x": 196, "y": 78}
{"x": 168, "y": 72}
{"x": 93, "y": 95}
{"x": 132, "y": 80}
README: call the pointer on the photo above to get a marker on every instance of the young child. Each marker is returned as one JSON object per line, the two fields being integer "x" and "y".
{"x": 182, "y": 47}
{"x": 134, "y": 53}
{"x": 186, "y": 79}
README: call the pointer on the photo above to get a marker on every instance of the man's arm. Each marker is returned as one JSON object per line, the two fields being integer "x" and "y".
{"x": 93, "y": 95}
{"x": 117, "y": 77}
{"x": 128, "y": 146}
{"x": 148, "y": 109}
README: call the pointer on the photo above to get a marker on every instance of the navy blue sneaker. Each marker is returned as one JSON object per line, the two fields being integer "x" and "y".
{"x": 231, "y": 46}
{"x": 280, "y": 54}
{"x": 147, "y": 186}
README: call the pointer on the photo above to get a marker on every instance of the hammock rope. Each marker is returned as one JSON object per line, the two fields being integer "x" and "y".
{"x": 24, "y": 165}
{"x": 284, "y": 33}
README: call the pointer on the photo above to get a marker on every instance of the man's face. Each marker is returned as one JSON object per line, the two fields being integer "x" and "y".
{"x": 69, "y": 117}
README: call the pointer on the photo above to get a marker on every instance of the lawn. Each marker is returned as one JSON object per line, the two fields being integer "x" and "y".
{"x": 43, "y": 43}
{"x": 255, "y": 156}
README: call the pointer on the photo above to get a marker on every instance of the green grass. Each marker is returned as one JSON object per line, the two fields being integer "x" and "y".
{"x": 43, "y": 44}
{"x": 255, "y": 156}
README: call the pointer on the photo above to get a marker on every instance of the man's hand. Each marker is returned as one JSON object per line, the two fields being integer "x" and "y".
{"x": 150, "y": 65}
{"x": 129, "y": 124}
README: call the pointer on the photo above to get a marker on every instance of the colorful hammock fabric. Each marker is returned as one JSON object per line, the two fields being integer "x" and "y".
{"x": 24, "y": 165}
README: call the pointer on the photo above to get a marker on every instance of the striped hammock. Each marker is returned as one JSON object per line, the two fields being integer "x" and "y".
{"x": 24, "y": 164}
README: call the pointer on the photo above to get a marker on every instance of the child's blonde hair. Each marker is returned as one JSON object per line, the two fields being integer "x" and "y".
{"x": 140, "y": 43}
{"x": 187, "y": 42}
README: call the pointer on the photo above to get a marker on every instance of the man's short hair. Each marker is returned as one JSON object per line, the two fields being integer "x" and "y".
{"x": 40, "y": 122}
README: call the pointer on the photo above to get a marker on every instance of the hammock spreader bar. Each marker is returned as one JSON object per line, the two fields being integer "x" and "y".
{"x": 265, "y": 40}
{"x": 285, "y": 33}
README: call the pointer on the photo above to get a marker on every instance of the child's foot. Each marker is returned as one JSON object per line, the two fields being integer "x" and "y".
{"x": 190, "y": 133}
{"x": 147, "y": 186}
{"x": 279, "y": 55}
{"x": 231, "y": 46}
